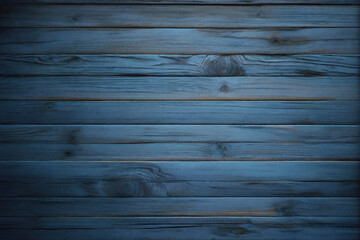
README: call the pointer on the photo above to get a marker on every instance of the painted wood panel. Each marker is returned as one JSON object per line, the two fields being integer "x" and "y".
{"x": 181, "y": 65}
{"x": 179, "y": 16}
{"x": 179, "y": 112}
{"x": 179, "y": 151}
{"x": 176, "y": 41}
{"x": 79, "y": 134}
{"x": 204, "y": 228}
{"x": 229, "y": 206}
{"x": 191, "y": 119}
{"x": 179, "y": 88}
{"x": 191, "y": 2}
{"x": 178, "y": 179}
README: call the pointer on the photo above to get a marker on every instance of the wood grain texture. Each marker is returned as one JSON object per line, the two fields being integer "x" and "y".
{"x": 180, "y": 2}
{"x": 181, "y": 65}
{"x": 176, "y": 41}
{"x": 178, "y": 88}
{"x": 178, "y": 16}
{"x": 228, "y": 206}
{"x": 179, "y": 151}
{"x": 178, "y": 179}
{"x": 179, "y": 112}
{"x": 80, "y": 134}
{"x": 204, "y": 228}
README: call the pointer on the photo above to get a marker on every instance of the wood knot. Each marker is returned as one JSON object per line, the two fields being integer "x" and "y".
{"x": 260, "y": 14}
{"x": 224, "y": 88}
{"x": 214, "y": 65}
{"x": 221, "y": 148}
{"x": 68, "y": 154}
{"x": 286, "y": 208}
{"x": 75, "y": 17}
{"x": 72, "y": 137}
{"x": 48, "y": 106}
{"x": 288, "y": 41}
{"x": 139, "y": 181}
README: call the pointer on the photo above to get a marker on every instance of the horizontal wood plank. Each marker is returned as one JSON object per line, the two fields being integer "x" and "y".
{"x": 204, "y": 228}
{"x": 179, "y": 112}
{"x": 178, "y": 179}
{"x": 178, "y": 41}
{"x": 80, "y": 134}
{"x": 177, "y": 2}
{"x": 181, "y": 65}
{"x": 178, "y": 88}
{"x": 234, "y": 206}
{"x": 179, "y": 151}
{"x": 178, "y": 16}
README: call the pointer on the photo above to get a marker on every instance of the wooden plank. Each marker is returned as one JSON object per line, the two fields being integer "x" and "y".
{"x": 177, "y": 2}
{"x": 179, "y": 151}
{"x": 179, "y": 112}
{"x": 181, "y": 65}
{"x": 178, "y": 41}
{"x": 178, "y": 88}
{"x": 80, "y": 134}
{"x": 133, "y": 222}
{"x": 320, "y": 171}
{"x": 178, "y": 16}
{"x": 204, "y": 228}
{"x": 222, "y": 206}
{"x": 178, "y": 179}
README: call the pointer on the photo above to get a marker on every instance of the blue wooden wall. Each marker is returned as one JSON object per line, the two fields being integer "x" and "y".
{"x": 179, "y": 119}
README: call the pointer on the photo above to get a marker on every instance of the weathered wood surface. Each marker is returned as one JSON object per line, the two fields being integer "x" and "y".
{"x": 131, "y": 120}
{"x": 178, "y": 16}
{"x": 181, "y": 65}
{"x": 179, "y": 112}
{"x": 178, "y": 179}
{"x": 178, "y": 88}
{"x": 79, "y": 134}
{"x": 178, "y": 41}
{"x": 184, "y": 228}
{"x": 215, "y": 206}
{"x": 179, "y": 151}
{"x": 191, "y": 2}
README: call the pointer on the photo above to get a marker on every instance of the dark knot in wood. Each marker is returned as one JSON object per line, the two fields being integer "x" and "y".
{"x": 224, "y": 88}
{"x": 137, "y": 181}
{"x": 48, "y": 106}
{"x": 221, "y": 148}
{"x": 214, "y": 65}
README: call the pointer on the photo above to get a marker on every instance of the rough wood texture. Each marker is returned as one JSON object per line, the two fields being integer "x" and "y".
{"x": 79, "y": 134}
{"x": 177, "y": 2}
{"x": 179, "y": 151}
{"x": 179, "y": 119}
{"x": 181, "y": 65}
{"x": 179, "y": 112}
{"x": 178, "y": 88}
{"x": 178, "y": 41}
{"x": 204, "y": 228}
{"x": 178, "y": 16}
{"x": 178, "y": 179}
{"x": 228, "y": 206}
